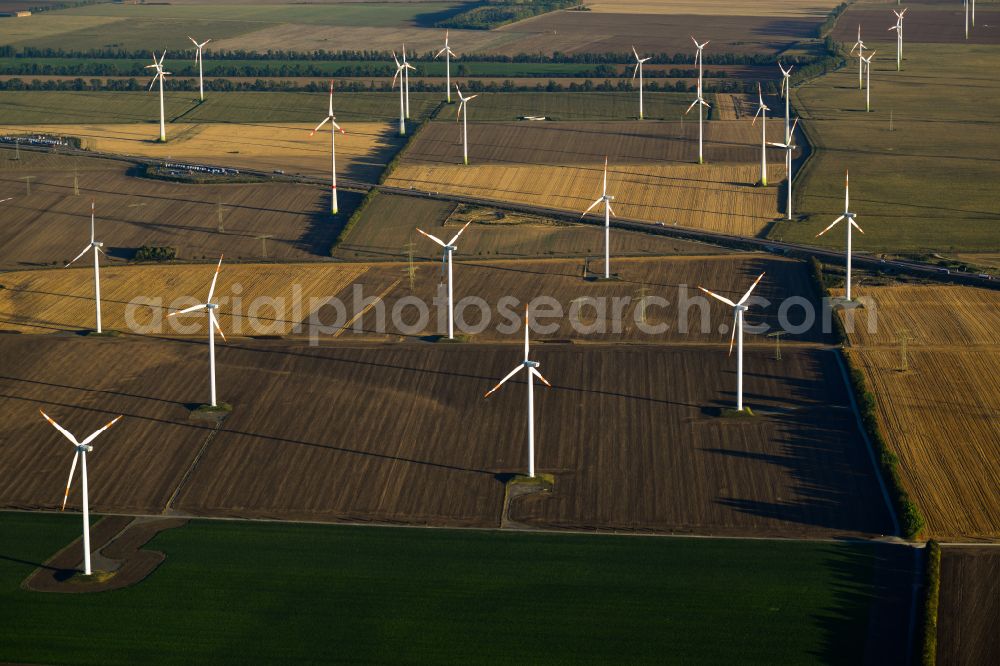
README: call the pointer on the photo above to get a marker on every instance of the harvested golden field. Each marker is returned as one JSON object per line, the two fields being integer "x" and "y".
{"x": 273, "y": 299}
{"x": 362, "y": 154}
{"x": 930, "y": 315}
{"x": 941, "y": 418}
{"x": 387, "y": 228}
{"x": 715, "y": 8}
{"x": 940, "y": 415}
{"x": 651, "y": 172}
{"x": 54, "y": 300}
{"x": 52, "y": 224}
{"x": 622, "y": 436}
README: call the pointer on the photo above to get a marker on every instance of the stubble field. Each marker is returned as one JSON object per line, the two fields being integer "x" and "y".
{"x": 361, "y": 155}
{"x": 798, "y": 468}
{"x": 652, "y": 169}
{"x": 939, "y": 415}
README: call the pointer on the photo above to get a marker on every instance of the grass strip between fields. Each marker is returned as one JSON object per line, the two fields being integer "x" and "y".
{"x": 932, "y": 592}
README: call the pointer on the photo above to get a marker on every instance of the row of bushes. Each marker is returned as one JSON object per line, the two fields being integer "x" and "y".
{"x": 609, "y": 57}
{"x": 475, "y": 86}
{"x": 381, "y": 69}
{"x": 155, "y": 253}
{"x": 932, "y": 592}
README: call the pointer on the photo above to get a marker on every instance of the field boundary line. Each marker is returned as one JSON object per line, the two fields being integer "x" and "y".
{"x": 194, "y": 463}
{"x": 375, "y": 301}
{"x": 868, "y": 445}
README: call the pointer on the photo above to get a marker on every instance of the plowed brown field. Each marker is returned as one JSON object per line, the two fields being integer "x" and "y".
{"x": 629, "y": 434}
{"x": 651, "y": 174}
{"x": 51, "y": 225}
{"x": 940, "y": 416}
{"x": 969, "y": 606}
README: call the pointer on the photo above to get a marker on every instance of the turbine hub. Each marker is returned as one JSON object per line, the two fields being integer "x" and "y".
{"x": 532, "y": 364}
{"x": 742, "y": 308}
{"x": 86, "y": 449}
{"x": 608, "y": 197}
{"x": 212, "y": 306}
{"x": 97, "y": 244}
{"x": 451, "y": 248}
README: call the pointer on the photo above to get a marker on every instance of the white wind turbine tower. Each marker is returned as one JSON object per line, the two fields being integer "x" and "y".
{"x": 606, "y": 199}
{"x": 213, "y": 326}
{"x": 463, "y": 110}
{"x": 899, "y": 37}
{"x": 402, "y": 105}
{"x": 868, "y": 81}
{"x": 860, "y": 46}
{"x": 638, "y": 70}
{"x": 738, "y": 309}
{"x": 786, "y": 92}
{"x": 788, "y": 147}
{"x": 449, "y": 249}
{"x": 334, "y": 128}
{"x": 699, "y": 100}
{"x": 197, "y": 59}
{"x": 406, "y": 80}
{"x": 532, "y": 368}
{"x": 762, "y": 110}
{"x": 850, "y": 217}
{"x": 82, "y": 449}
{"x": 158, "y": 65}
{"x": 448, "y": 54}
{"x": 96, "y": 247}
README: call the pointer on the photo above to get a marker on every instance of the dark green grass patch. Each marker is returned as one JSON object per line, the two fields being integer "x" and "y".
{"x": 245, "y": 592}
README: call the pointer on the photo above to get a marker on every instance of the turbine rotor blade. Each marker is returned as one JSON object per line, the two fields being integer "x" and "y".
{"x": 78, "y": 256}
{"x": 211, "y": 290}
{"x": 455, "y": 237}
{"x": 215, "y": 322}
{"x": 69, "y": 481}
{"x": 832, "y": 225}
{"x": 536, "y": 373}
{"x": 318, "y": 126}
{"x": 591, "y": 207}
{"x": 433, "y": 238}
{"x": 716, "y": 296}
{"x": 97, "y": 432}
{"x": 201, "y": 306}
{"x": 504, "y": 380}
{"x": 732, "y": 337}
{"x": 752, "y": 287}
{"x": 855, "y": 225}
{"x": 66, "y": 433}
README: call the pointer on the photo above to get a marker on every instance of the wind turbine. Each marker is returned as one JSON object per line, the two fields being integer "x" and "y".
{"x": 463, "y": 109}
{"x": 449, "y": 249}
{"x": 406, "y": 80}
{"x": 213, "y": 325}
{"x": 899, "y": 37}
{"x": 860, "y": 46}
{"x": 158, "y": 65}
{"x": 82, "y": 449}
{"x": 638, "y": 70}
{"x": 532, "y": 368}
{"x": 788, "y": 147}
{"x": 96, "y": 247}
{"x": 606, "y": 199}
{"x": 198, "y": 59}
{"x": 739, "y": 308}
{"x": 334, "y": 128}
{"x": 699, "y": 101}
{"x": 762, "y": 110}
{"x": 448, "y": 53}
{"x": 850, "y": 217}
{"x": 868, "y": 81}
{"x": 402, "y": 106}
{"x": 786, "y": 92}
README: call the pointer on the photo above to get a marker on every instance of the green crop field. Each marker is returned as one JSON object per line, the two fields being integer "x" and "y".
{"x": 925, "y": 186}
{"x": 574, "y": 106}
{"x": 48, "y": 107}
{"x": 240, "y": 592}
